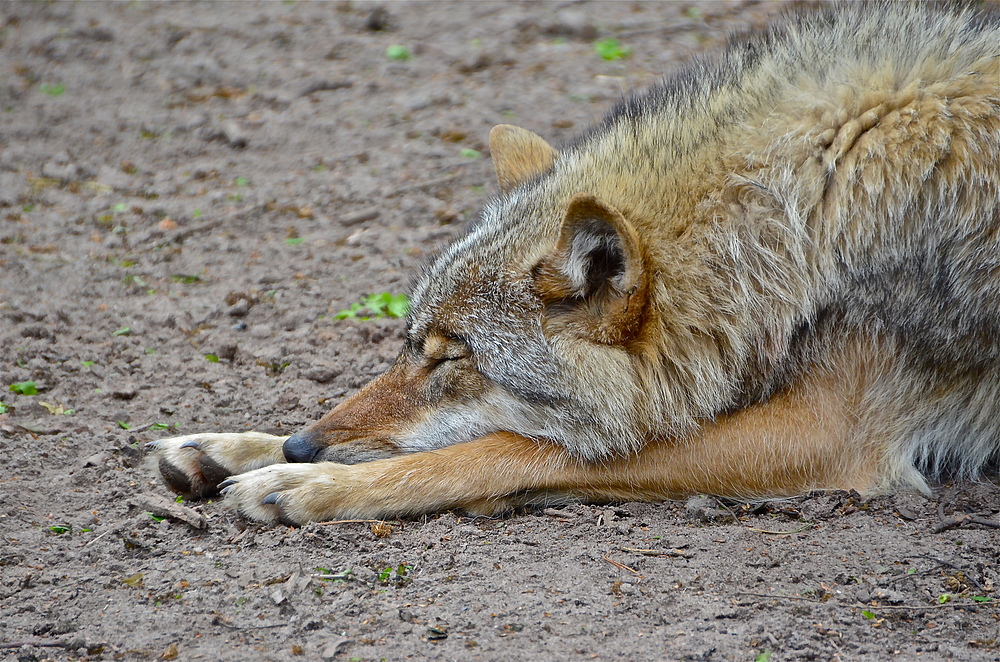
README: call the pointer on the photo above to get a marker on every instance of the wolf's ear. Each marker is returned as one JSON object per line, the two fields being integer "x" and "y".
{"x": 595, "y": 278}
{"x": 518, "y": 155}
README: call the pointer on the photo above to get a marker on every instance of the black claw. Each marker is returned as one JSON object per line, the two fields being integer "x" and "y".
{"x": 272, "y": 498}
{"x": 227, "y": 484}
{"x": 191, "y": 444}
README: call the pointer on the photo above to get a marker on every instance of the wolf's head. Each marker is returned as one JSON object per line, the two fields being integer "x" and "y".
{"x": 531, "y": 323}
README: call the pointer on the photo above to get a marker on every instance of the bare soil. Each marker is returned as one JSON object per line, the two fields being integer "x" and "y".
{"x": 188, "y": 180}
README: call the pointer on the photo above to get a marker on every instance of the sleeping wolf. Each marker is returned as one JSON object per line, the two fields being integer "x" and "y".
{"x": 775, "y": 272}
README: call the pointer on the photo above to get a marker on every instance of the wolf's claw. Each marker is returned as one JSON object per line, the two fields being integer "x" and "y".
{"x": 191, "y": 444}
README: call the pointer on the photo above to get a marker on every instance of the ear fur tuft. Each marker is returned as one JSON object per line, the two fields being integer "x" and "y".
{"x": 595, "y": 277}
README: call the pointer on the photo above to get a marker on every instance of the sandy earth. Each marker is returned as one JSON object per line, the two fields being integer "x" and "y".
{"x": 183, "y": 180}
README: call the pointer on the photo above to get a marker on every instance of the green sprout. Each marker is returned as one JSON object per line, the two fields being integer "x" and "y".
{"x": 377, "y": 305}
{"x": 610, "y": 49}
{"x": 397, "y": 52}
{"x": 399, "y": 574}
{"x": 24, "y": 388}
{"x": 52, "y": 90}
{"x": 186, "y": 279}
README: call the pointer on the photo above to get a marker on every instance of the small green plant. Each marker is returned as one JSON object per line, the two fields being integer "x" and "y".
{"x": 242, "y": 181}
{"x": 179, "y": 498}
{"x": 211, "y": 358}
{"x": 944, "y": 598}
{"x": 763, "y": 656}
{"x": 24, "y": 388}
{"x": 870, "y": 615}
{"x": 981, "y": 598}
{"x": 164, "y": 426}
{"x": 124, "y": 425}
{"x": 295, "y": 241}
{"x": 4, "y": 408}
{"x": 397, "y": 52}
{"x": 52, "y": 90}
{"x": 157, "y": 518}
{"x": 399, "y": 574}
{"x": 59, "y": 529}
{"x": 124, "y": 331}
{"x": 186, "y": 279}
{"x": 611, "y": 49}
{"x": 470, "y": 153}
{"x": 28, "y": 208}
{"x": 377, "y": 305}
{"x": 132, "y": 279}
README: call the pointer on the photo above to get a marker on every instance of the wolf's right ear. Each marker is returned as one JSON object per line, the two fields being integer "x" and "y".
{"x": 519, "y": 155}
{"x": 595, "y": 279}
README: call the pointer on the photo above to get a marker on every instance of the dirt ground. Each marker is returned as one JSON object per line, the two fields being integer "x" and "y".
{"x": 181, "y": 181}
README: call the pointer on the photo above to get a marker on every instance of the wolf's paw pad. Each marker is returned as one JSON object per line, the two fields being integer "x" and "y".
{"x": 186, "y": 465}
{"x": 290, "y": 493}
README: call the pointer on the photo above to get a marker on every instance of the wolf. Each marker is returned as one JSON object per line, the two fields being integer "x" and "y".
{"x": 777, "y": 271}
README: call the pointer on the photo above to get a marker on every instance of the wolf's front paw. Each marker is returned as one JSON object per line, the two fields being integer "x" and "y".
{"x": 195, "y": 464}
{"x": 295, "y": 493}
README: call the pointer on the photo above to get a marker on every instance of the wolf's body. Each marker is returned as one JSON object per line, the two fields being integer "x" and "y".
{"x": 776, "y": 272}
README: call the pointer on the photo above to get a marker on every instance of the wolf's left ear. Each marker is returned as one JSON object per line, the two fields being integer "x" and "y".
{"x": 595, "y": 277}
{"x": 518, "y": 155}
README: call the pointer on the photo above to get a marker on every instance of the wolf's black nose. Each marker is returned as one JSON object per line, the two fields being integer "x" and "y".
{"x": 300, "y": 447}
